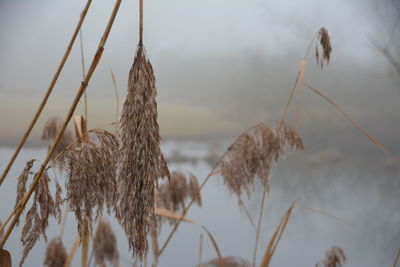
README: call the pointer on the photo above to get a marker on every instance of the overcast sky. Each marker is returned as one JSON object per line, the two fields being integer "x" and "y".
{"x": 214, "y": 60}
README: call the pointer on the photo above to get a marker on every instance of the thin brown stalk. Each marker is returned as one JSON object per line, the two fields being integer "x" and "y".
{"x": 396, "y": 259}
{"x": 116, "y": 96}
{"x": 201, "y": 249}
{"x": 326, "y": 214}
{"x": 274, "y": 241}
{"x": 81, "y": 90}
{"x": 48, "y": 92}
{"x": 259, "y": 226}
{"x": 83, "y": 73}
{"x": 356, "y": 124}
{"x": 141, "y": 23}
{"x": 85, "y": 242}
{"x": 71, "y": 254}
{"x": 215, "y": 245}
{"x": 246, "y": 211}
{"x": 163, "y": 247}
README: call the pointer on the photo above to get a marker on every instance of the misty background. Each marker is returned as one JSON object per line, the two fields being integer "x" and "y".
{"x": 222, "y": 66}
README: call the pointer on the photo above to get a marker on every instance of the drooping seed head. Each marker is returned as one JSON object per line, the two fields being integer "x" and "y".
{"x": 56, "y": 255}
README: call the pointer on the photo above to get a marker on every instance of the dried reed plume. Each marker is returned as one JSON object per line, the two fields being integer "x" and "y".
{"x": 22, "y": 180}
{"x": 324, "y": 41}
{"x": 56, "y": 254}
{"x": 37, "y": 218}
{"x": 140, "y": 161}
{"x": 252, "y": 154}
{"x": 105, "y": 245}
{"x": 334, "y": 257}
{"x": 172, "y": 195}
{"x": 91, "y": 170}
{"x": 50, "y": 133}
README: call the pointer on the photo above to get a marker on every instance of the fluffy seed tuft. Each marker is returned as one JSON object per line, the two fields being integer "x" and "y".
{"x": 334, "y": 257}
{"x": 140, "y": 161}
{"x": 324, "y": 42}
{"x": 105, "y": 245}
{"x": 253, "y": 153}
{"x": 56, "y": 255}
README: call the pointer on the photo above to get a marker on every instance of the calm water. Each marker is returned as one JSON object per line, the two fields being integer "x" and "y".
{"x": 362, "y": 191}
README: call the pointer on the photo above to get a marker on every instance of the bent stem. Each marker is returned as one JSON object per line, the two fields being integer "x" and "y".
{"x": 48, "y": 92}
{"x": 259, "y": 226}
{"x": 81, "y": 90}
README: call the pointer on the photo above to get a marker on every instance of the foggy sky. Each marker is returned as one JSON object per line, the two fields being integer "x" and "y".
{"x": 220, "y": 65}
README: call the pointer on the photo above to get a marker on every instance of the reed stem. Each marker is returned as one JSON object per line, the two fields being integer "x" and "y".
{"x": 48, "y": 92}
{"x": 141, "y": 23}
{"x": 81, "y": 90}
{"x": 259, "y": 226}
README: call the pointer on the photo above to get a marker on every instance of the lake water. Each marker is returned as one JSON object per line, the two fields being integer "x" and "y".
{"x": 364, "y": 191}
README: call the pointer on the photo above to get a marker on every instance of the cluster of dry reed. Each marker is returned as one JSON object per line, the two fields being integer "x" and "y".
{"x": 121, "y": 171}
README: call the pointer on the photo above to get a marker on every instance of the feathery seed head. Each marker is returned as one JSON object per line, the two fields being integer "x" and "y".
{"x": 56, "y": 255}
{"x": 140, "y": 161}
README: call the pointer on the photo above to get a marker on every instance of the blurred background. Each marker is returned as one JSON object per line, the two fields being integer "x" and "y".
{"x": 222, "y": 66}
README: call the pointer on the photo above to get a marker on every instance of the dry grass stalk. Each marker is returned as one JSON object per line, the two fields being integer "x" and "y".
{"x": 274, "y": 241}
{"x": 334, "y": 257}
{"x": 355, "y": 123}
{"x": 105, "y": 245}
{"x": 48, "y": 92}
{"x": 37, "y": 217}
{"x": 56, "y": 255}
{"x": 253, "y": 153}
{"x": 71, "y": 253}
{"x": 396, "y": 259}
{"x": 2, "y": 230}
{"x": 81, "y": 90}
{"x": 49, "y": 134}
{"x": 154, "y": 232}
{"x": 91, "y": 170}
{"x": 221, "y": 262}
{"x": 323, "y": 40}
{"x": 116, "y": 91}
{"x": 140, "y": 161}
{"x": 201, "y": 249}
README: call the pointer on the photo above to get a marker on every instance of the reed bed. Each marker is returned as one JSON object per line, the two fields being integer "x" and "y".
{"x": 122, "y": 171}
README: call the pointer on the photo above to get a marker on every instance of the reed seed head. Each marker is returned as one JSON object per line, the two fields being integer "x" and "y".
{"x": 56, "y": 255}
{"x": 37, "y": 217}
{"x": 324, "y": 42}
{"x": 91, "y": 175}
{"x": 22, "y": 180}
{"x": 253, "y": 153}
{"x": 49, "y": 134}
{"x": 105, "y": 245}
{"x": 172, "y": 194}
{"x": 334, "y": 257}
{"x": 140, "y": 161}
